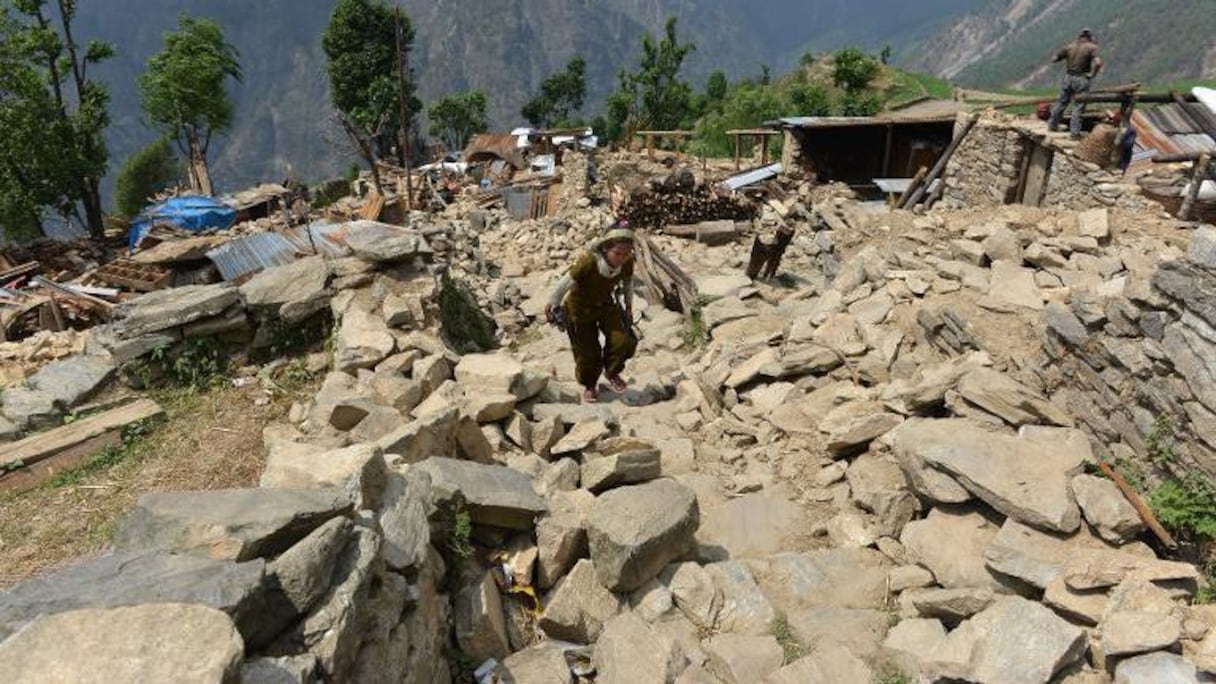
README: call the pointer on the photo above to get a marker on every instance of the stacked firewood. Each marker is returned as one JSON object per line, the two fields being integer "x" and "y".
{"x": 663, "y": 279}
{"x": 679, "y": 199}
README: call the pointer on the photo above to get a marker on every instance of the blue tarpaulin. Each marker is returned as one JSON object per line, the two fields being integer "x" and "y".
{"x": 196, "y": 214}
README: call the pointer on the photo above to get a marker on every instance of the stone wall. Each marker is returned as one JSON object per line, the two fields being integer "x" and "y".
{"x": 985, "y": 170}
{"x": 1135, "y": 366}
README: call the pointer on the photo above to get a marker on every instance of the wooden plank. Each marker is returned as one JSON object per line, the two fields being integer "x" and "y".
{"x": 1199, "y": 171}
{"x": 46, "y": 445}
{"x": 72, "y": 457}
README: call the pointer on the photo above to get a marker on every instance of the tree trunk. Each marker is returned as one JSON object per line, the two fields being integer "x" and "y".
{"x": 200, "y": 174}
{"x": 92, "y": 209}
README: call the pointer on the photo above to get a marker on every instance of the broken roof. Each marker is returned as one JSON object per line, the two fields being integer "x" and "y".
{"x": 254, "y": 196}
{"x": 1175, "y": 129}
{"x": 942, "y": 111}
{"x": 490, "y": 146}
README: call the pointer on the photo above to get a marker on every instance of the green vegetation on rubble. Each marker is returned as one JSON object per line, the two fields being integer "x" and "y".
{"x": 792, "y": 649}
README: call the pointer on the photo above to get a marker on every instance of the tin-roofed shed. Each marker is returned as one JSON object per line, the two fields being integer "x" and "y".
{"x": 857, "y": 150}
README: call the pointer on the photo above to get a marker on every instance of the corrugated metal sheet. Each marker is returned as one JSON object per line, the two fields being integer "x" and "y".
{"x": 320, "y": 237}
{"x": 747, "y": 178}
{"x": 844, "y": 121}
{"x": 1168, "y": 130}
{"x": 251, "y": 254}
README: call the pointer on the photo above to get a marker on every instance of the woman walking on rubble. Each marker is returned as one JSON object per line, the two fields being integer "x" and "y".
{"x": 585, "y": 303}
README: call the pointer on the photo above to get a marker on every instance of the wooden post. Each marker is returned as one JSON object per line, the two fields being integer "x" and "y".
{"x": 912, "y": 187}
{"x": 650, "y": 145}
{"x": 737, "y": 150}
{"x": 886, "y": 154}
{"x": 940, "y": 167}
{"x": 1198, "y": 172}
{"x": 763, "y": 149}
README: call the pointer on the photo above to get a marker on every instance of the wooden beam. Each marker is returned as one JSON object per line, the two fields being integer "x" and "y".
{"x": 73, "y": 441}
{"x": 940, "y": 167}
{"x": 912, "y": 187}
{"x": 1198, "y": 172}
{"x": 1146, "y": 514}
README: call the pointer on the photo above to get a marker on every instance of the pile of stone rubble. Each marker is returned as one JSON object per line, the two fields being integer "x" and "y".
{"x": 880, "y": 463}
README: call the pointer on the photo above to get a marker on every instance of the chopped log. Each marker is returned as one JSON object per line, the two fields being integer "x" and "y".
{"x": 707, "y": 232}
{"x": 662, "y": 279}
{"x": 19, "y": 271}
{"x": 766, "y": 258}
{"x": 35, "y": 459}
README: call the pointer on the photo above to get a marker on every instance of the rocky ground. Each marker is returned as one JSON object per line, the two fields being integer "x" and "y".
{"x": 880, "y": 466}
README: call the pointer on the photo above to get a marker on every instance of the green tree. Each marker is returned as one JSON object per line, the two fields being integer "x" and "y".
{"x": 653, "y": 96}
{"x": 456, "y": 117}
{"x": 854, "y": 70}
{"x": 747, "y": 106}
{"x": 360, "y": 45}
{"x": 715, "y": 89}
{"x": 810, "y": 100}
{"x": 147, "y": 171}
{"x": 860, "y": 103}
{"x": 561, "y": 96}
{"x": 183, "y": 91}
{"x": 52, "y": 116}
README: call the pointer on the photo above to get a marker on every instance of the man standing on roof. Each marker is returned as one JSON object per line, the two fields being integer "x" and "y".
{"x": 1082, "y": 65}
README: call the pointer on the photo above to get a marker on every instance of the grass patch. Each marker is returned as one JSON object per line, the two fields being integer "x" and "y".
{"x": 890, "y": 674}
{"x": 1187, "y": 506}
{"x": 133, "y": 445}
{"x": 695, "y": 334}
{"x": 792, "y": 649}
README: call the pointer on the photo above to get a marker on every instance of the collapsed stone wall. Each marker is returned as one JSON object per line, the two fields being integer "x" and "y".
{"x": 1134, "y": 366}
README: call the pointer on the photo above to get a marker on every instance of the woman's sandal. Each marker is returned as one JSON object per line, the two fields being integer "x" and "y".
{"x": 617, "y": 383}
{"x": 591, "y": 395}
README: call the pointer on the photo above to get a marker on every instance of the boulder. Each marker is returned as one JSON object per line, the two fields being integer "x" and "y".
{"x": 578, "y": 607}
{"x": 404, "y": 520}
{"x": 1130, "y": 632}
{"x": 561, "y": 535}
{"x": 1094, "y": 223}
{"x": 167, "y": 642}
{"x": 838, "y": 578}
{"x": 496, "y": 373}
{"x": 1034, "y": 556}
{"x": 860, "y": 630}
{"x": 582, "y": 436}
{"x": 360, "y": 470}
{"x": 1009, "y": 400}
{"x": 293, "y": 292}
{"x": 750, "y": 526}
{"x": 854, "y": 433}
{"x": 235, "y": 524}
{"x": 127, "y": 579}
{"x": 830, "y": 663}
{"x": 909, "y": 643}
{"x": 743, "y": 607}
{"x": 959, "y": 564}
{"x": 1026, "y": 477}
{"x": 301, "y": 669}
{"x": 629, "y": 651}
{"x": 1014, "y": 641}
{"x": 1112, "y": 516}
{"x": 620, "y": 464}
{"x": 481, "y": 629}
{"x": 1156, "y": 668}
{"x": 1012, "y": 287}
{"x": 740, "y": 659}
{"x": 72, "y": 380}
{"x": 380, "y": 242}
{"x": 634, "y": 531}
{"x": 949, "y": 604}
{"x": 432, "y": 371}
{"x": 363, "y": 341}
{"x": 694, "y": 593}
{"x": 546, "y": 432}
{"x": 420, "y": 438}
{"x": 172, "y": 308}
{"x": 907, "y": 442}
{"x": 494, "y": 495}
{"x": 303, "y": 572}
{"x": 544, "y": 663}
{"x": 28, "y": 408}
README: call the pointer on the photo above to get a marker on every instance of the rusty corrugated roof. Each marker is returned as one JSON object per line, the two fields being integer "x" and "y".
{"x": 1171, "y": 130}
{"x": 489, "y": 146}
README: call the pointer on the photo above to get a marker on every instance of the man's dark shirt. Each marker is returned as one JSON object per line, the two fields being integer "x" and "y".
{"x": 1079, "y": 57}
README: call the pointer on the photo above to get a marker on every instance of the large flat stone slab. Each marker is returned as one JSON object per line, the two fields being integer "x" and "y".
{"x": 172, "y": 308}
{"x": 127, "y": 579}
{"x": 960, "y": 563}
{"x": 233, "y": 524}
{"x": 171, "y": 642}
{"x": 1026, "y": 478}
{"x": 73, "y": 379}
{"x": 841, "y": 578}
{"x": 293, "y": 291}
{"x": 494, "y": 495}
{"x": 751, "y": 526}
{"x": 375, "y": 241}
